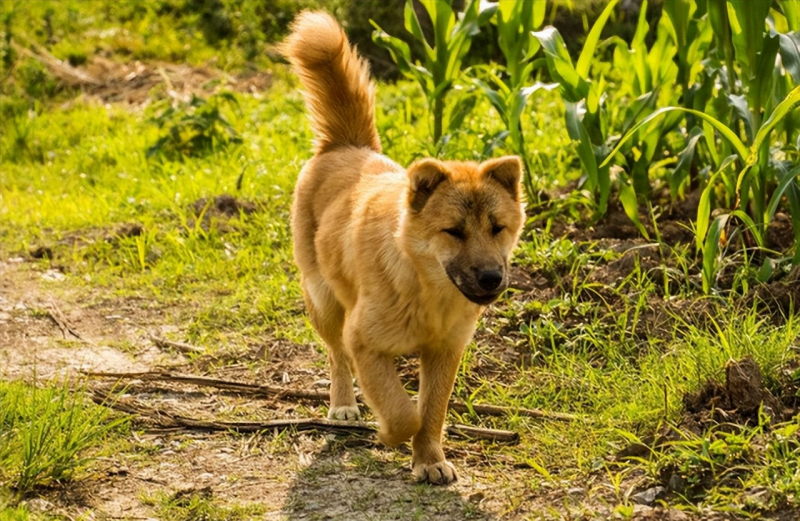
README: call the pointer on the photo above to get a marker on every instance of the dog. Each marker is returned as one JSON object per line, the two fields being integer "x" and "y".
{"x": 392, "y": 260}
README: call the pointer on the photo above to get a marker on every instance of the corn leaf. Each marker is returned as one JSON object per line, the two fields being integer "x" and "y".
{"x": 704, "y": 207}
{"x": 780, "y": 112}
{"x": 791, "y": 10}
{"x": 627, "y": 197}
{"x": 726, "y": 132}
{"x": 560, "y": 64}
{"x": 756, "y": 230}
{"x": 785, "y": 182}
{"x": 711, "y": 251}
{"x": 589, "y": 46}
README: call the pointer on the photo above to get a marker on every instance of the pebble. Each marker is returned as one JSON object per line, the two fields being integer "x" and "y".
{"x": 648, "y": 497}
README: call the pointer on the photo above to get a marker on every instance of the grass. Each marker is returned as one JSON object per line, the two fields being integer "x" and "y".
{"x": 199, "y": 505}
{"x": 74, "y": 174}
{"x": 48, "y": 435}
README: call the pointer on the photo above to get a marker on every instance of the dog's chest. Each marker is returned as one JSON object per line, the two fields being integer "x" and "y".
{"x": 425, "y": 323}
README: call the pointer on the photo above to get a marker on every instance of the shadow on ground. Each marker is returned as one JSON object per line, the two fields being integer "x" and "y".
{"x": 355, "y": 483}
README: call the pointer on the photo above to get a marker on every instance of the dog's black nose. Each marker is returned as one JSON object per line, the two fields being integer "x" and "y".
{"x": 490, "y": 280}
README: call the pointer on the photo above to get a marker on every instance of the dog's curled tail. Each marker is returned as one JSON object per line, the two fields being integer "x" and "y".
{"x": 338, "y": 91}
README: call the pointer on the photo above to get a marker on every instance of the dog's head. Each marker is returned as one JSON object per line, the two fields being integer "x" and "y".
{"x": 468, "y": 216}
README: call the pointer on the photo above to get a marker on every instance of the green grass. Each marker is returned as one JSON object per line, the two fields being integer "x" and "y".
{"x": 199, "y": 505}
{"x": 48, "y": 435}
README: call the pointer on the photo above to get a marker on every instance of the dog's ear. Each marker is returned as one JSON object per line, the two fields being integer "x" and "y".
{"x": 507, "y": 171}
{"x": 424, "y": 176}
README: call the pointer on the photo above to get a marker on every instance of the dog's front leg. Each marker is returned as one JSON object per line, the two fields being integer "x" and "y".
{"x": 377, "y": 377}
{"x": 438, "y": 368}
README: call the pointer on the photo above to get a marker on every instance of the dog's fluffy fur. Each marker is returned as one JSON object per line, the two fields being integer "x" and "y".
{"x": 393, "y": 260}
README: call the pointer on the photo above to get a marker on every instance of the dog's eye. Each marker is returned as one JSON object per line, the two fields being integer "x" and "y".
{"x": 454, "y": 232}
{"x": 497, "y": 229}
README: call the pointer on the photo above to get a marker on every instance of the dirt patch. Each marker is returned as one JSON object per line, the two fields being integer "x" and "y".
{"x": 220, "y": 209}
{"x": 736, "y": 401}
{"x": 49, "y": 330}
{"x": 136, "y": 82}
{"x": 779, "y": 298}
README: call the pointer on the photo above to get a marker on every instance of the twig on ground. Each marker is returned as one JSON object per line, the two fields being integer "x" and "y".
{"x": 272, "y": 391}
{"x": 299, "y": 424}
{"x": 61, "y": 69}
{"x": 55, "y": 314}
{"x": 180, "y": 346}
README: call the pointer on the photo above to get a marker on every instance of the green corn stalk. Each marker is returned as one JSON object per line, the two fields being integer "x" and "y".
{"x": 585, "y": 116}
{"x": 442, "y": 61}
{"x": 515, "y": 23}
{"x": 753, "y": 159}
{"x": 735, "y": 123}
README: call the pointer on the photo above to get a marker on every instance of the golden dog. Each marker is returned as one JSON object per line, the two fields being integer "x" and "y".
{"x": 393, "y": 260}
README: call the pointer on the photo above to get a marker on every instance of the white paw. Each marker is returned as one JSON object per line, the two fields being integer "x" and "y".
{"x": 344, "y": 412}
{"x": 441, "y": 473}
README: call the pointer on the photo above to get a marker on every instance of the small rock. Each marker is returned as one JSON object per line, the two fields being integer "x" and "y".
{"x": 322, "y": 383}
{"x": 39, "y": 505}
{"x": 53, "y": 276}
{"x": 285, "y": 379}
{"x": 477, "y": 497}
{"x": 648, "y": 497}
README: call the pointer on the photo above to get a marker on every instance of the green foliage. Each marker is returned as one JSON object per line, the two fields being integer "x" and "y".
{"x": 515, "y": 23}
{"x": 74, "y": 173}
{"x": 199, "y": 505}
{"x": 452, "y": 38}
{"x": 673, "y": 71}
{"x": 194, "y": 128}
{"x": 587, "y": 122}
{"x": 47, "y": 434}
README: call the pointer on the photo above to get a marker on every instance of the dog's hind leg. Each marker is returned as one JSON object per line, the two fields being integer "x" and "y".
{"x": 327, "y": 317}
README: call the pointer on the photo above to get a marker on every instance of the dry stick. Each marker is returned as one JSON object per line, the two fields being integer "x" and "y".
{"x": 180, "y": 346}
{"x": 298, "y": 424}
{"x": 55, "y": 314}
{"x": 270, "y": 391}
{"x": 61, "y": 69}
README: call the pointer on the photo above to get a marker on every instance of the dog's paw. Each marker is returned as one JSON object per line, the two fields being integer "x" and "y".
{"x": 344, "y": 412}
{"x": 441, "y": 473}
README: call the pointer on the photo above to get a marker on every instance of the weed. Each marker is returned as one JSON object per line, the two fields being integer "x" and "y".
{"x": 48, "y": 434}
{"x": 195, "y": 128}
{"x": 199, "y": 505}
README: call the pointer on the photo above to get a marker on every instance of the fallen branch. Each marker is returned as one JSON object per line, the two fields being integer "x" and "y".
{"x": 55, "y": 314}
{"x": 271, "y": 391}
{"x": 59, "y": 68}
{"x": 180, "y": 346}
{"x": 168, "y": 419}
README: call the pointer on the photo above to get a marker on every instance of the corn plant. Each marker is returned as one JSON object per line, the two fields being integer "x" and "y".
{"x": 509, "y": 95}
{"x": 747, "y": 166}
{"x": 443, "y": 60}
{"x": 586, "y": 116}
